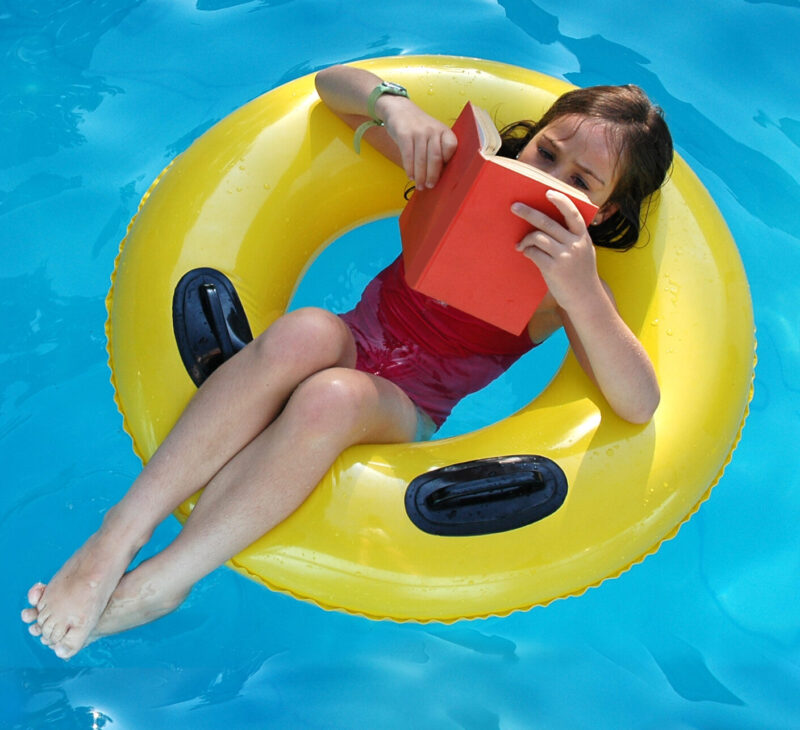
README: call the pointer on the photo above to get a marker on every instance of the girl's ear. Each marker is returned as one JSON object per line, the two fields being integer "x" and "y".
{"x": 605, "y": 213}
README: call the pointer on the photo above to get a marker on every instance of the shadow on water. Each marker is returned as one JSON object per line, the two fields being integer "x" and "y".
{"x": 687, "y": 671}
{"x": 39, "y": 186}
{"x": 49, "y": 339}
{"x": 64, "y": 696}
{"x": 44, "y": 62}
{"x": 52, "y": 706}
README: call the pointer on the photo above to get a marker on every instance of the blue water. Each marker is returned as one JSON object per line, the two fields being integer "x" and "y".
{"x": 95, "y": 98}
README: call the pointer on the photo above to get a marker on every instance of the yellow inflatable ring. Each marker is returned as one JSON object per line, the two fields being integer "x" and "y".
{"x": 263, "y": 191}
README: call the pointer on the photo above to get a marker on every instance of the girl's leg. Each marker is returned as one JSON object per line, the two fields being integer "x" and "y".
{"x": 235, "y": 404}
{"x": 260, "y": 487}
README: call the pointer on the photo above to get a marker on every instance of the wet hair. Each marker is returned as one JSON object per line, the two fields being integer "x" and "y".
{"x": 636, "y": 128}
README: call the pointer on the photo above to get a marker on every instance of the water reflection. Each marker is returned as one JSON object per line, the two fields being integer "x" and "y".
{"x": 224, "y": 4}
{"x": 710, "y": 145}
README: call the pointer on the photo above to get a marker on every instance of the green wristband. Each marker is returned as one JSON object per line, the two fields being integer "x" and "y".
{"x": 385, "y": 87}
{"x": 360, "y": 132}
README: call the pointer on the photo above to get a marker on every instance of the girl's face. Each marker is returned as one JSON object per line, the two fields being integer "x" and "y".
{"x": 577, "y": 151}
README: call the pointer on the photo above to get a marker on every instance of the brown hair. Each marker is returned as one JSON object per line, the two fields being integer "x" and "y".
{"x": 636, "y": 127}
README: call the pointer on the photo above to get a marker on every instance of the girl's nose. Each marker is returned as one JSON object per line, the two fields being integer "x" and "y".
{"x": 559, "y": 172}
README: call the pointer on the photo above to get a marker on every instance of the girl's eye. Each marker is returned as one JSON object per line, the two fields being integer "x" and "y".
{"x": 577, "y": 180}
{"x": 547, "y": 155}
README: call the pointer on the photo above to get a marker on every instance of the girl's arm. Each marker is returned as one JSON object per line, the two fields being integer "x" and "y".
{"x": 604, "y": 345}
{"x": 410, "y": 137}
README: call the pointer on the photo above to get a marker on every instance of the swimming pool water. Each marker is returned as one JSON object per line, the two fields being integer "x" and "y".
{"x": 96, "y": 97}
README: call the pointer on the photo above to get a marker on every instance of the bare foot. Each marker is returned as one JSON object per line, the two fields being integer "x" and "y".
{"x": 64, "y": 612}
{"x": 142, "y": 596}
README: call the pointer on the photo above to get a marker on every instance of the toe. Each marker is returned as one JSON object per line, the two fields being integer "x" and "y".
{"x": 64, "y": 652}
{"x": 35, "y": 593}
{"x": 29, "y": 615}
{"x": 47, "y": 624}
{"x": 35, "y": 630}
{"x": 58, "y": 633}
{"x": 42, "y": 616}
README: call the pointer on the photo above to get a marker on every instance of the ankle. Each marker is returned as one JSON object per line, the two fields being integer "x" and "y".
{"x": 125, "y": 530}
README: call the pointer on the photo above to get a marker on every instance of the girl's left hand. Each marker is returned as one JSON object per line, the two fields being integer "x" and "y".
{"x": 564, "y": 253}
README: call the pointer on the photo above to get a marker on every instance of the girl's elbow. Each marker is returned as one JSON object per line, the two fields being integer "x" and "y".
{"x": 322, "y": 77}
{"x": 643, "y": 411}
{"x": 325, "y": 79}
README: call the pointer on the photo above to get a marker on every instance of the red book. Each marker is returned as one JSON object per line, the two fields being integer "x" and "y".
{"x": 459, "y": 238}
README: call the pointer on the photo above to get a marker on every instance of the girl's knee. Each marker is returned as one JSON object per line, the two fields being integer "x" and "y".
{"x": 309, "y": 339}
{"x": 336, "y": 400}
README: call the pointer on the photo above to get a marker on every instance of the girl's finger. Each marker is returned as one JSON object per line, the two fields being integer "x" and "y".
{"x": 407, "y": 156}
{"x": 435, "y": 161}
{"x": 540, "y": 221}
{"x": 541, "y": 258}
{"x": 541, "y": 241}
{"x": 572, "y": 216}
{"x": 420, "y": 162}
{"x": 449, "y": 144}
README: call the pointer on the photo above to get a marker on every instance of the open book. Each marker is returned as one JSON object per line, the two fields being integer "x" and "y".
{"x": 459, "y": 238}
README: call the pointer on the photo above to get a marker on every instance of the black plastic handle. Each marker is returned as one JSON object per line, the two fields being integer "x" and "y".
{"x": 209, "y": 322}
{"x": 212, "y": 308}
{"x": 485, "y": 496}
{"x": 485, "y": 490}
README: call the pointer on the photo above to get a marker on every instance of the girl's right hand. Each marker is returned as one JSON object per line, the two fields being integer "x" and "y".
{"x": 409, "y": 137}
{"x": 425, "y": 143}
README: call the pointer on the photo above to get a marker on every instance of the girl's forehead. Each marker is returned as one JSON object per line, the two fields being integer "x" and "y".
{"x": 587, "y": 137}
{"x": 589, "y": 129}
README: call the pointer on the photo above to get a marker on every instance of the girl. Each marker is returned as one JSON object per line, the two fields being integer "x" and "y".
{"x": 389, "y": 371}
